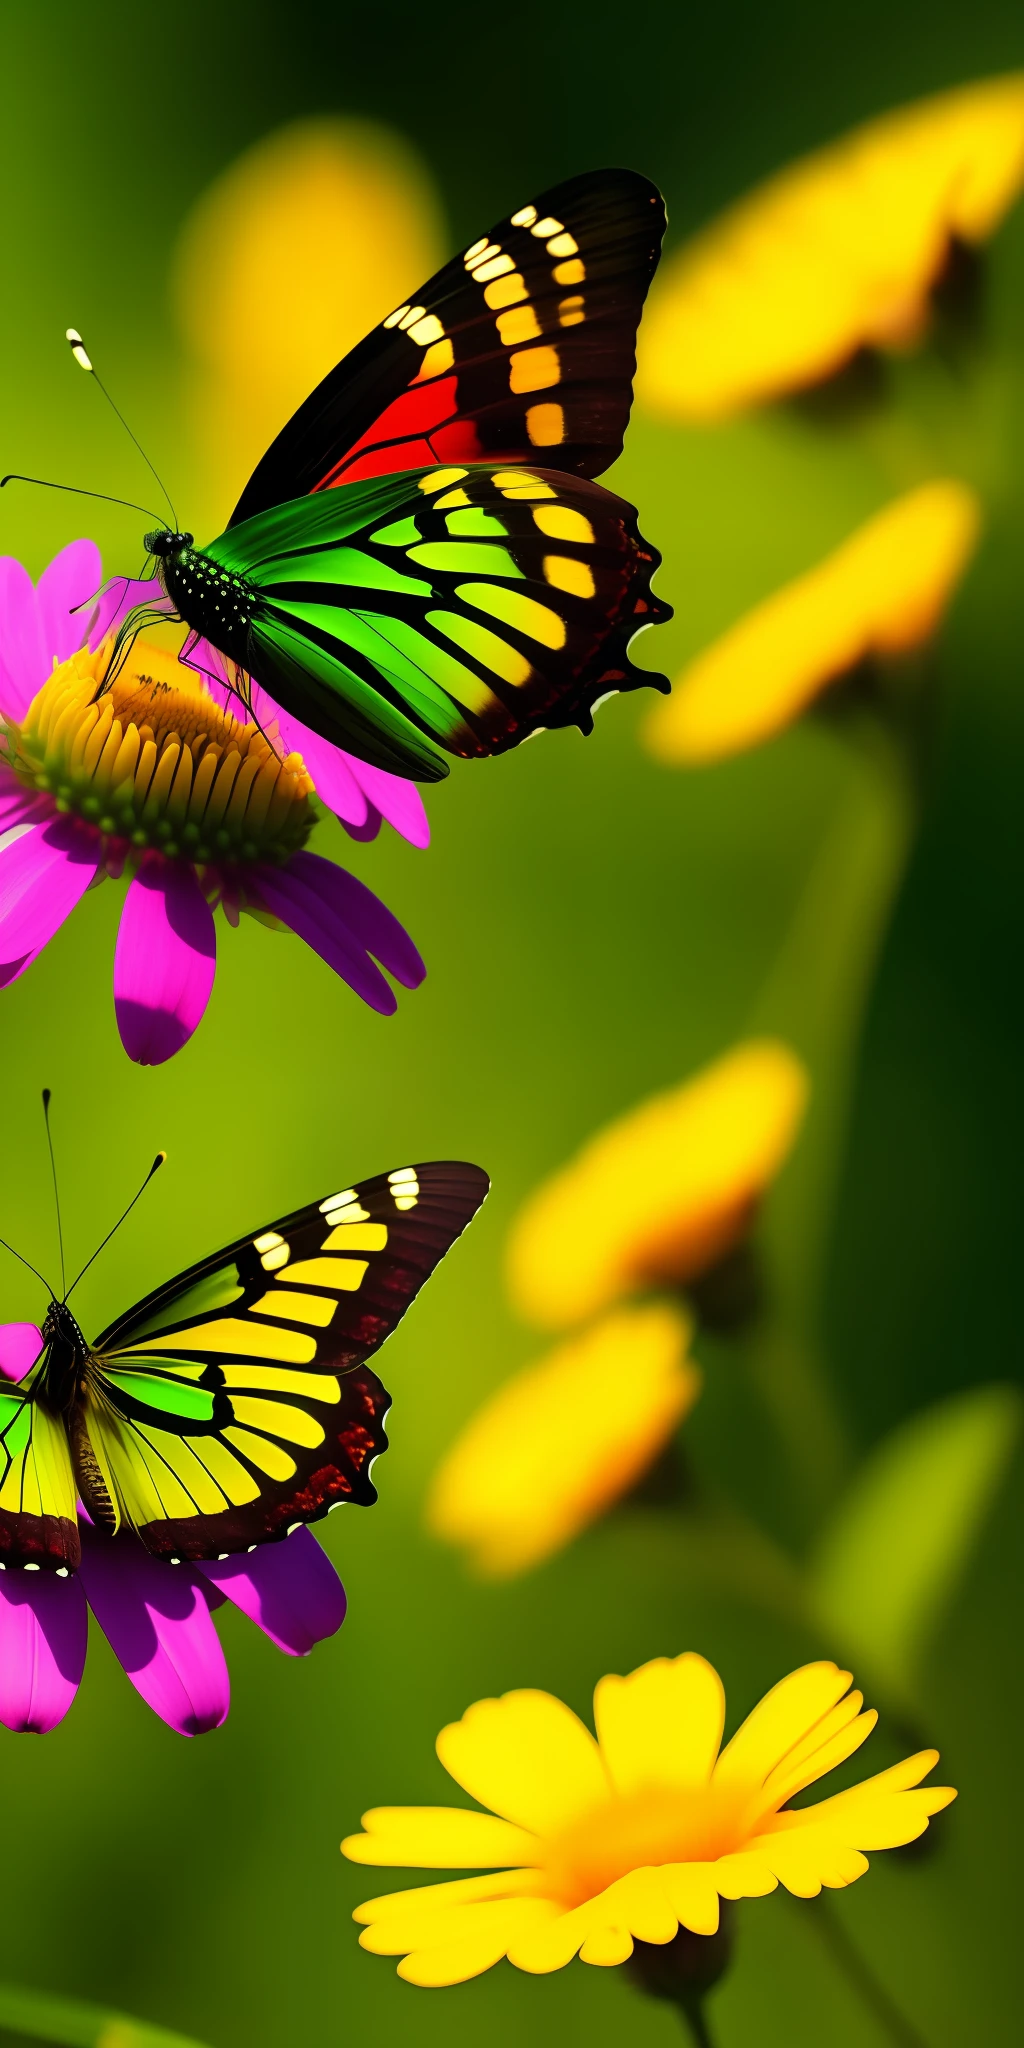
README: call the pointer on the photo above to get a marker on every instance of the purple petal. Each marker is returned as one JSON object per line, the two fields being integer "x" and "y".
{"x": 344, "y": 922}
{"x": 44, "y": 1626}
{"x": 72, "y": 578}
{"x": 156, "y": 1619}
{"x": 164, "y": 961}
{"x": 44, "y": 871}
{"x": 119, "y": 597}
{"x": 290, "y": 1590}
{"x": 20, "y": 1345}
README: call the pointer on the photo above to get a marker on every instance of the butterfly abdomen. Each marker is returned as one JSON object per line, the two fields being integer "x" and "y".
{"x": 92, "y": 1485}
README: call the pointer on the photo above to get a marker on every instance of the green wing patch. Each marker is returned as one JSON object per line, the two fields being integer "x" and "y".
{"x": 464, "y": 608}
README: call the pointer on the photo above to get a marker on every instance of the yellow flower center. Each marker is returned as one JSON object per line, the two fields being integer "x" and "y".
{"x": 154, "y": 762}
{"x": 659, "y": 1824}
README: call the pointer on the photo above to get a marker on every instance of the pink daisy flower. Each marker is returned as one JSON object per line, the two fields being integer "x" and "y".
{"x": 154, "y": 779}
{"x": 155, "y": 1616}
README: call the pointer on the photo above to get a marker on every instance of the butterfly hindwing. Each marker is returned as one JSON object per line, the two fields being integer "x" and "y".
{"x": 459, "y": 607}
{"x": 38, "y": 1517}
{"x": 521, "y": 349}
{"x": 237, "y": 1401}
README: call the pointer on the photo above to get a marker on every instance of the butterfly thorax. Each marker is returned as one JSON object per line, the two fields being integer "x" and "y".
{"x": 210, "y": 599}
{"x": 66, "y": 1357}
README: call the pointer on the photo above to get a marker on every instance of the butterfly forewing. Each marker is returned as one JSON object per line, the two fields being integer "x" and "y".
{"x": 461, "y": 607}
{"x": 236, "y": 1401}
{"x": 521, "y": 349}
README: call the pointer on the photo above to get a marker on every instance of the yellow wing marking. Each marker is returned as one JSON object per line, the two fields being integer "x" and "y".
{"x": 344, "y": 1274}
{"x": 306, "y": 1386}
{"x": 293, "y": 1424}
{"x": 545, "y": 425}
{"x": 267, "y": 1457}
{"x": 356, "y": 1237}
{"x": 295, "y": 1308}
{"x": 248, "y": 1340}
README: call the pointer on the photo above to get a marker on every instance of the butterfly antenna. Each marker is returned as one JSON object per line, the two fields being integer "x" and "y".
{"x": 158, "y": 1162}
{"x": 85, "y": 362}
{"x": 15, "y": 477}
{"x": 56, "y": 1195}
{"x": 27, "y": 1262}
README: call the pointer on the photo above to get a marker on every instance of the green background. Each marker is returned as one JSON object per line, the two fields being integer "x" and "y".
{"x": 594, "y": 926}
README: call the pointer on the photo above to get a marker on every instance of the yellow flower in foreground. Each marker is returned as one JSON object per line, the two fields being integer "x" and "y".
{"x": 294, "y": 254}
{"x": 626, "y": 1839}
{"x": 882, "y": 592}
{"x": 555, "y": 1446}
{"x": 836, "y": 253}
{"x": 661, "y": 1194}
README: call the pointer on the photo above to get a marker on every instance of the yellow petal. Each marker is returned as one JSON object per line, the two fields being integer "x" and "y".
{"x": 808, "y": 1859}
{"x": 528, "y": 1757}
{"x": 475, "y": 1947}
{"x": 838, "y": 252}
{"x": 424, "y": 1900}
{"x": 881, "y": 1813}
{"x": 693, "y": 1894}
{"x": 662, "y": 1724}
{"x": 883, "y": 591}
{"x": 438, "y": 1837}
{"x": 782, "y": 1719}
{"x": 292, "y": 255}
{"x": 608, "y": 1946}
{"x": 661, "y": 1193}
{"x": 443, "y": 1922}
{"x": 559, "y": 1442}
{"x": 842, "y": 1732}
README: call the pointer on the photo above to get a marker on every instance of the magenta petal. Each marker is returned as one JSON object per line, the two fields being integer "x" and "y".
{"x": 20, "y": 1345}
{"x": 44, "y": 871}
{"x": 345, "y": 923}
{"x": 39, "y": 625}
{"x": 65, "y": 587}
{"x": 290, "y": 1590}
{"x": 18, "y": 805}
{"x": 157, "y": 1621}
{"x": 20, "y": 640}
{"x": 44, "y": 1625}
{"x": 116, "y": 600}
{"x": 397, "y": 800}
{"x": 164, "y": 961}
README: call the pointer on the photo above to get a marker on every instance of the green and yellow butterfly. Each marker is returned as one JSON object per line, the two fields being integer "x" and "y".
{"x": 235, "y": 1402}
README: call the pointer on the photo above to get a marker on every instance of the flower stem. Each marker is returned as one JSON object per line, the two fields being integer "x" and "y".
{"x": 696, "y": 2019}
{"x": 816, "y": 996}
{"x": 859, "y": 1974}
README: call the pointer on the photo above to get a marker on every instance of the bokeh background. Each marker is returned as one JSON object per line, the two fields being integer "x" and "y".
{"x": 595, "y": 925}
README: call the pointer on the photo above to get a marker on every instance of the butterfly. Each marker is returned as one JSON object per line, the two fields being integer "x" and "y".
{"x": 421, "y": 559}
{"x": 235, "y": 1402}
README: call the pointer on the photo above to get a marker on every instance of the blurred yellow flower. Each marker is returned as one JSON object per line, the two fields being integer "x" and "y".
{"x": 882, "y": 592}
{"x": 663, "y": 1193}
{"x": 595, "y": 1844}
{"x": 562, "y": 1440}
{"x": 289, "y": 258}
{"x": 836, "y": 253}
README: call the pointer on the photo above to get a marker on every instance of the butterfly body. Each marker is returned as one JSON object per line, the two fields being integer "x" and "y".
{"x": 235, "y": 1402}
{"x": 505, "y": 384}
{"x": 64, "y": 1361}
